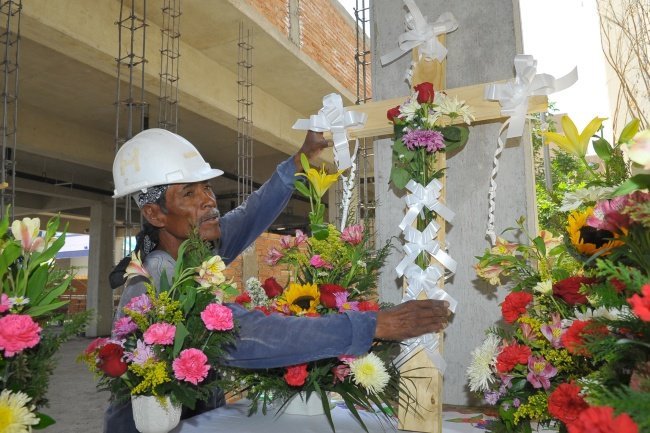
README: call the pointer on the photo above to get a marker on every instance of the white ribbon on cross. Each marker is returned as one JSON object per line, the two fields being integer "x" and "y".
{"x": 422, "y": 35}
{"x": 427, "y": 280}
{"x": 336, "y": 119}
{"x": 420, "y": 197}
{"x": 430, "y": 343}
{"x": 420, "y": 241}
{"x": 513, "y": 97}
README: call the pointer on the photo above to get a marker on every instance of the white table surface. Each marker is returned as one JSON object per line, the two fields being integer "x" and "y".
{"x": 233, "y": 418}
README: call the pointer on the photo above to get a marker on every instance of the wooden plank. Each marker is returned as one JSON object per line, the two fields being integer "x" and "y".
{"x": 378, "y": 125}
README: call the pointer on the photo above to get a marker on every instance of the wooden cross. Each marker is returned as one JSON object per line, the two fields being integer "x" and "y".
{"x": 427, "y": 387}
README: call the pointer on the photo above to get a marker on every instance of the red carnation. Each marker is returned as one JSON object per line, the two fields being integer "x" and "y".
{"x": 569, "y": 289}
{"x": 511, "y": 356}
{"x": 296, "y": 375}
{"x": 244, "y": 298}
{"x": 565, "y": 403}
{"x": 573, "y": 339}
{"x": 271, "y": 287}
{"x": 600, "y": 419}
{"x": 110, "y": 360}
{"x": 393, "y": 114}
{"x": 327, "y": 292}
{"x": 641, "y": 304}
{"x": 368, "y": 306}
{"x": 515, "y": 305}
{"x": 425, "y": 92}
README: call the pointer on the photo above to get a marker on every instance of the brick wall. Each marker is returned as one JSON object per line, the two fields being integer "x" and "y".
{"x": 327, "y": 35}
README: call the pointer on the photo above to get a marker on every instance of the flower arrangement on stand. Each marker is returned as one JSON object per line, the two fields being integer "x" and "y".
{"x": 30, "y": 299}
{"x": 331, "y": 272}
{"x": 168, "y": 341}
{"x": 576, "y": 347}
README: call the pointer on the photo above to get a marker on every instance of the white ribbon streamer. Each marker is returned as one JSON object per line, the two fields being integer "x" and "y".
{"x": 430, "y": 344}
{"x": 427, "y": 280}
{"x": 513, "y": 97}
{"x": 422, "y": 35}
{"x": 424, "y": 196}
{"x": 419, "y": 241}
{"x": 334, "y": 118}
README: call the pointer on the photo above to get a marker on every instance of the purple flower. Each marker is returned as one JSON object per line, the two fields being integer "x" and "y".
{"x": 301, "y": 238}
{"x": 553, "y": 331}
{"x": 123, "y": 327}
{"x": 491, "y": 397}
{"x": 516, "y": 402}
{"x": 343, "y": 304}
{"x": 539, "y": 372}
{"x": 430, "y": 140}
{"x": 273, "y": 256}
{"x": 141, "y": 354}
{"x": 140, "y": 304}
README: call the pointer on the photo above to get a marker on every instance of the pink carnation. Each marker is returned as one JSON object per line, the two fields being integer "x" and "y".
{"x": 160, "y": 333}
{"x": 217, "y": 317}
{"x": 191, "y": 366}
{"x": 353, "y": 234}
{"x": 17, "y": 333}
{"x": 123, "y": 327}
{"x": 5, "y": 303}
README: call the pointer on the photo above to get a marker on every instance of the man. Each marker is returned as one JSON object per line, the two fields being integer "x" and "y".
{"x": 169, "y": 180}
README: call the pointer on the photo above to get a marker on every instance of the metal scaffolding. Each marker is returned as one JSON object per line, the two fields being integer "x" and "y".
{"x": 169, "y": 54}
{"x": 131, "y": 109}
{"x": 244, "y": 115}
{"x": 10, "y": 14}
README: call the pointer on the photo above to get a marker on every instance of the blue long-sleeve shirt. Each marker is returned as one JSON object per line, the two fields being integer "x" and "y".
{"x": 276, "y": 340}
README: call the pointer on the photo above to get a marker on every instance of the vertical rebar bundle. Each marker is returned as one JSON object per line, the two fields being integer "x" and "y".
{"x": 244, "y": 115}
{"x": 131, "y": 109}
{"x": 169, "y": 59}
{"x": 10, "y": 37}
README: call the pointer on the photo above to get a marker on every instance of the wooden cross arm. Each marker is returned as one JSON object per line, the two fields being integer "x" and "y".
{"x": 483, "y": 110}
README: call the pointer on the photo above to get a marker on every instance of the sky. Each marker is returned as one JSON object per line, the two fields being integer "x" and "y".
{"x": 562, "y": 34}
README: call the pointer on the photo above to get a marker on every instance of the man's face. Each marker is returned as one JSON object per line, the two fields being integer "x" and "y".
{"x": 192, "y": 205}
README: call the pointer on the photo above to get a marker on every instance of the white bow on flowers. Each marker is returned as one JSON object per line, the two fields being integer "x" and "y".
{"x": 424, "y": 196}
{"x": 513, "y": 97}
{"x": 336, "y": 119}
{"x": 419, "y": 241}
{"x": 426, "y": 279}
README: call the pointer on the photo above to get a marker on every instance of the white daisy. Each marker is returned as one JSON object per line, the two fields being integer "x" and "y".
{"x": 369, "y": 371}
{"x": 409, "y": 108}
{"x": 544, "y": 287}
{"x": 16, "y": 413}
{"x": 481, "y": 369}
{"x": 607, "y": 313}
{"x": 453, "y": 108}
{"x": 574, "y": 199}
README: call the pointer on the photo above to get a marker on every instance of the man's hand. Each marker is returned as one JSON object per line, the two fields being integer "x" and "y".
{"x": 312, "y": 146}
{"x": 412, "y": 319}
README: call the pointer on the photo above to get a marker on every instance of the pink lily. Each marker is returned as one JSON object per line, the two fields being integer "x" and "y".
{"x": 553, "y": 331}
{"x": 26, "y": 232}
{"x": 540, "y": 371}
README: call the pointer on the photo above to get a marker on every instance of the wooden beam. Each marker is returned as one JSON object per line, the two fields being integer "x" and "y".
{"x": 484, "y": 111}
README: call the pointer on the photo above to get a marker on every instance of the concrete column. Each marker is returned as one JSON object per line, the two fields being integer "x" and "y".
{"x": 100, "y": 263}
{"x": 481, "y": 50}
{"x": 294, "y": 21}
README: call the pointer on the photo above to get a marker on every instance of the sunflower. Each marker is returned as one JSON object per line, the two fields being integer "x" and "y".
{"x": 586, "y": 239}
{"x": 300, "y": 298}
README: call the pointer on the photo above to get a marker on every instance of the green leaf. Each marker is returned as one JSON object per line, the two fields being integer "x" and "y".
{"x": 399, "y": 177}
{"x": 179, "y": 338}
{"x": 52, "y": 227}
{"x": 603, "y": 149}
{"x": 451, "y": 133}
{"x": 4, "y": 223}
{"x": 451, "y": 146}
{"x": 56, "y": 292}
{"x": 640, "y": 181}
{"x": 39, "y": 310}
{"x": 43, "y": 421}
{"x": 402, "y": 153}
{"x": 48, "y": 253}
{"x": 302, "y": 188}
{"x": 629, "y": 131}
{"x": 319, "y": 231}
{"x": 540, "y": 245}
{"x": 9, "y": 255}
{"x": 36, "y": 283}
{"x": 304, "y": 162}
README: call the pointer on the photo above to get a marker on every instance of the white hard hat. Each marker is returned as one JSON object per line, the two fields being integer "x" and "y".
{"x": 158, "y": 157}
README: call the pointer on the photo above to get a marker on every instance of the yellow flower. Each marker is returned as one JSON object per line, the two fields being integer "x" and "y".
{"x": 571, "y": 141}
{"x": 369, "y": 372}
{"x": 300, "y": 298}
{"x": 210, "y": 272}
{"x": 589, "y": 240}
{"x": 16, "y": 414}
{"x": 320, "y": 180}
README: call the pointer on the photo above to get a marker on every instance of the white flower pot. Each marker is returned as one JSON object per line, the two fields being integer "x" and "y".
{"x": 301, "y": 405}
{"x": 152, "y": 417}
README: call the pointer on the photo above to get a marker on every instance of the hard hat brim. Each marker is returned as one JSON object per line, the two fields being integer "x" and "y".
{"x": 199, "y": 177}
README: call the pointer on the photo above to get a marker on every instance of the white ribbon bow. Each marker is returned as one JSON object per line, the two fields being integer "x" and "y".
{"x": 430, "y": 344}
{"x": 334, "y": 118}
{"x": 427, "y": 280}
{"x": 424, "y": 196}
{"x": 419, "y": 241}
{"x": 513, "y": 97}
{"x": 423, "y": 35}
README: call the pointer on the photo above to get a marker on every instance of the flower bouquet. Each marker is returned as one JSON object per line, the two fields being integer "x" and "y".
{"x": 425, "y": 125}
{"x": 168, "y": 341}
{"x": 576, "y": 349}
{"x": 329, "y": 274}
{"x": 29, "y": 309}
